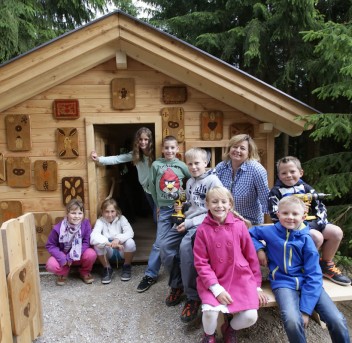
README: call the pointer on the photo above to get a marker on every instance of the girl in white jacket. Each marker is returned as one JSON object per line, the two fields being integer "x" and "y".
{"x": 112, "y": 238}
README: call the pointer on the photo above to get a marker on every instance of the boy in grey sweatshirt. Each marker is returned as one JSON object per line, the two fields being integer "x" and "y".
{"x": 176, "y": 250}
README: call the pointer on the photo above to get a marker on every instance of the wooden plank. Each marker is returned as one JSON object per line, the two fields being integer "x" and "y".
{"x": 335, "y": 291}
{"x": 13, "y": 256}
{"x": 21, "y": 296}
{"x": 5, "y": 322}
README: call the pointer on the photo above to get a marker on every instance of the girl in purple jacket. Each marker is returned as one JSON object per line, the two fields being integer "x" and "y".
{"x": 69, "y": 244}
{"x": 229, "y": 276}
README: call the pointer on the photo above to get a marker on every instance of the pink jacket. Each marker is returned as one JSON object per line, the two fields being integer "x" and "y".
{"x": 225, "y": 254}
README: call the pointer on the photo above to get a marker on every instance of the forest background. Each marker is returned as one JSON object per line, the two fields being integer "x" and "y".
{"x": 301, "y": 47}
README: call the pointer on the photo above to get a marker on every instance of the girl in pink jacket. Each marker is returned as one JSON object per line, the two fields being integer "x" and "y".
{"x": 229, "y": 276}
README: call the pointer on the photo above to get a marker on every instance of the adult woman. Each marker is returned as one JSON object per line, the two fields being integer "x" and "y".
{"x": 242, "y": 174}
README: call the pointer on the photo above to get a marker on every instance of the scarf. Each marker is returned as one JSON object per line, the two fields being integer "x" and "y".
{"x": 71, "y": 237}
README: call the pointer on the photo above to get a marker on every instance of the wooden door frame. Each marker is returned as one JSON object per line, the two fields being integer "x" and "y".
{"x": 90, "y": 144}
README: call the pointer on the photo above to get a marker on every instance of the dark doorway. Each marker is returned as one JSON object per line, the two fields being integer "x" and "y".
{"x": 118, "y": 139}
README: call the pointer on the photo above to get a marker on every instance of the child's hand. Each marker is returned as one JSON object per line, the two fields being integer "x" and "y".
{"x": 181, "y": 228}
{"x": 224, "y": 298}
{"x": 305, "y": 318}
{"x": 94, "y": 156}
{"x": 263, "y": 261}
{"x": 115, "y": 244}
{"x": 263, "y": 298}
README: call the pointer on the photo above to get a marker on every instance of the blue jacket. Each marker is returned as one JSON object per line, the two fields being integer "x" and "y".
{"x": 293, "y": 261}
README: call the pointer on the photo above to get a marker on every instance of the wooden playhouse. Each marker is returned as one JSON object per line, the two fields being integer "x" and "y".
{"x": 93, "y": 88}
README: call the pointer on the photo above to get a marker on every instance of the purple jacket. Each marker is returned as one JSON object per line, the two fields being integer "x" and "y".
{"x": 224, "y": 254}
{"x": 55, "y": 248}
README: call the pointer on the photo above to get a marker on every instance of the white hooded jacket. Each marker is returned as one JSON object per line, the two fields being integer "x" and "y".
{"x": 104, "y": 232}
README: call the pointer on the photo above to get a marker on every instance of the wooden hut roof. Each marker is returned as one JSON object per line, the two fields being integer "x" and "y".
{"x": 117, "y": 35}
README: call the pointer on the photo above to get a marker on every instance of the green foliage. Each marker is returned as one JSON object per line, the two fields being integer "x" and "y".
{"x": 331, "y": 125}
{"x": 27, "y": 24}
{"x": 333, "y": 67}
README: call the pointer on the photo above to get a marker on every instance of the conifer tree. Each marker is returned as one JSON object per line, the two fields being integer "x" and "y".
{"x": 27, "y": 24}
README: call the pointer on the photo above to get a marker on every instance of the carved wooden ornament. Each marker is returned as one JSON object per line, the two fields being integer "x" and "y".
{"x": 2, "y": 169}
{"x": 123, "y": 94}
{"x": 67, "y": 142}
{"x": 43, "y": 226}
{"x": 212, "y": 125}
{"x": 45, "y": 175}
{"x": 241, "y": 128}
{"x": 72, "y": 188}
{"x": 173, "y": 122}
{"x": 18, "y": 170}
{"x": 174, "y": 94}
{"x": 10, "y": 209}
{"x": 18, "y": 132}
{"x": 66, "y": 109}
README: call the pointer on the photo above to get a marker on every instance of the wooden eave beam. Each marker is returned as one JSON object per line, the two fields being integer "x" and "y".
{"x": 57, "y": 62}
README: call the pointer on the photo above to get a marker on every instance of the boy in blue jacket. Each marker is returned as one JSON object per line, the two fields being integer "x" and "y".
{"x": 295, "y": 275}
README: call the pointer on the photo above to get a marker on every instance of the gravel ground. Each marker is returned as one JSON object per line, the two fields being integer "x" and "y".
{"x": 115, "y": 312}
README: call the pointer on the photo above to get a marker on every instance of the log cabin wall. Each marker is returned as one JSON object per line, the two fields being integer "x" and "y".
{"x": 92, "y": 88}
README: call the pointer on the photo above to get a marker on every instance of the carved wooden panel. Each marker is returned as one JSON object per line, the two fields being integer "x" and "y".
{"x": 2, "y": 169}
{"x": 18, "y": 171}
{"x": 237, "y": 129}
{"x": 123, "y": 94}
{"x": 72, "y": 188}
{"x": 212, "y": 125}
{"x": 67, "y": 142}
{"x": 10, "y": 209}
{"x": 18, "y": 132}
{"x": 173, "y": 122}
{"x": 21, "y": 283}
{"x": 45, "y": 175}
{"x": 43, "y": 226}
{"x": 66, "y": 109}
{"x": 174, "y": 94}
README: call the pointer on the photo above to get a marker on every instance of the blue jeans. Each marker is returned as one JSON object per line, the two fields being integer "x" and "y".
{"x": 163, "y": 227}
{"x": 288, "y": 301}
{"x": 151, "y": 204}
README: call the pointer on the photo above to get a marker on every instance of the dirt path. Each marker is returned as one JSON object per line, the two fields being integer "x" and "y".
{"x": 79, "y": 313}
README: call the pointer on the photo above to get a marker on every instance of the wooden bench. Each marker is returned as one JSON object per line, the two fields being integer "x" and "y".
{"x": 336, "y": 293}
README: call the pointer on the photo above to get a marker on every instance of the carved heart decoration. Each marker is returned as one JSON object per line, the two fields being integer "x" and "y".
{"x": 22, "y": 275}
{"x": 27, "y": 310}
{"x": 212, "y": 125}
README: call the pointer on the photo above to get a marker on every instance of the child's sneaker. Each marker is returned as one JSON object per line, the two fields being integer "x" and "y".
{"x": 145, "y": 283}
{"x": 174, "y": 297}
{"x": 61, "y": 280}
{"x": 126, "y": 272}
{"x": 88, "y": 279}
{"x": 208, "y": 339}
{"x": 107, "y": 275}
{"x": 333, "y": 273}
{"x": 190, "y": 310}
{"x": 228, "y": 333}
